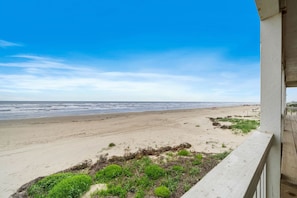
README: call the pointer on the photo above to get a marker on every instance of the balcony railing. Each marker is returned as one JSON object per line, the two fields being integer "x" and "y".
{"x": 241, "y": 174}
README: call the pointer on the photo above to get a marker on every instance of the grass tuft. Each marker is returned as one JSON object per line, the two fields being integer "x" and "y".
{"x": 221, "y": 156}
{"x": 183, "y": 152}
{"x": 178, "y": 168}
{"x": 198, "y": 159}
{"x": 154, "y": 171}
{"x": 108, "y": 173}
{"x": 114, "y": 191}
{"x": 162, "y": 191}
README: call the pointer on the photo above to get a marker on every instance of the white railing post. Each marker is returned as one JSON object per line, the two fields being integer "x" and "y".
{"x": 261, "y": 187}
{"x": 272, "y": 96}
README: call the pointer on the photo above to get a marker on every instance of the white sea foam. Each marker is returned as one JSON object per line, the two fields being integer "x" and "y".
{"x": 10, "y": 110}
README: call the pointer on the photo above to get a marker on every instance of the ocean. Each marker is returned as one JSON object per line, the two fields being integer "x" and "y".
{"x": 12, "y": 110}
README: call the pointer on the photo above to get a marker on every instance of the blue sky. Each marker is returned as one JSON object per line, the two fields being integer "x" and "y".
{"x": 130, "y": 50}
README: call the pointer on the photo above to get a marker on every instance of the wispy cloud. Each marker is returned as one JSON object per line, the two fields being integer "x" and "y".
{"x": 171, "y": 76}
{"x": 4, "y": 44}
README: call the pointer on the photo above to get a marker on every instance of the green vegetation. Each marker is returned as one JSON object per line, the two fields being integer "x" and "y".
{"x": 183, "y": 152}
{"x": 113, "y": 191}
{"x": 108, "y": 173}
{"x": 174, "y": 178}
{"x": 291, "y": 107}
{"x": 138, "y": 177}
{"x": 43, "y": 186}
{"x": 72, "y": 187}
{"x": 198, "y": 159}
{"x": 241, "y": 125}
{"x": 221, "y": 156}
{"x": 60, "y": 185}
{"x": 154, "y": 171}
{"x": 178, "y": 168}
{"x": 293, "y": 104}
{"x": 111, "y": 145}
{"x": 162, "y": 191}
{"x": 194, "y": 171}
{"x": 170, "y": 154}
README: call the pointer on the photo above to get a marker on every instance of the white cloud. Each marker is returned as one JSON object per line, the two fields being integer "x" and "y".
{"x": 4, "y": 44}
{"x": 168, "y": 76}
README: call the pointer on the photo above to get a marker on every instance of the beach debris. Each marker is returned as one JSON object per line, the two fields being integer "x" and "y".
{"x": 84, "y": 164}
{"x": 102, "y": 161}
{"x": 22, "y": 191}
{"x": 225, "y": 127}
{"x": 214, "y": 122}
{"x": 111, "y": 145}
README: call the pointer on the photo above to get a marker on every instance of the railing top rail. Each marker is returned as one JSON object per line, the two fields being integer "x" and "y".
{"x": 238, "y": 174}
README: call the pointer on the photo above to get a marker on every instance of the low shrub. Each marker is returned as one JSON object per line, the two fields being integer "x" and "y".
{"x": 42, "y": 187}
{"x": 72, "y": 187}
{"x": 162, "y": 191}
{"x": 154, "y": 171}
{"x": 109, "y": 172}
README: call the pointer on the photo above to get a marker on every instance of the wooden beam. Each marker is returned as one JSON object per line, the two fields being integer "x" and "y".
{"x": 290, "y": 42}
{"x": 291, "y": 84}
{"x": 239, "y": 173}
{"x": 267, "y": 8}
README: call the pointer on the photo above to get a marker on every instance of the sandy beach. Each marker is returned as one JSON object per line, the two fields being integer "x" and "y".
{"x": 38, "y": 147}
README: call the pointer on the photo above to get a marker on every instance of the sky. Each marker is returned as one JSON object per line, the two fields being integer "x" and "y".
{"x": 114, "y": 50}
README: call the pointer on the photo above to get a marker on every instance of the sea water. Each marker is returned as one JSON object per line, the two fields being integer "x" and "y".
{"x": 11, "y": 110}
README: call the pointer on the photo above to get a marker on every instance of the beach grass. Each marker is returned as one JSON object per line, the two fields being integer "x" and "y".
{"x": 183, "y": 152}
{"x": 241, "y": 125}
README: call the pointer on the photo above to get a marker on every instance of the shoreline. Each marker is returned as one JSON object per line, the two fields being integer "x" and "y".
{"x": 65, "y": 109}
{"x": 30, "y": 148}
{"x": 82, "y": 116}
